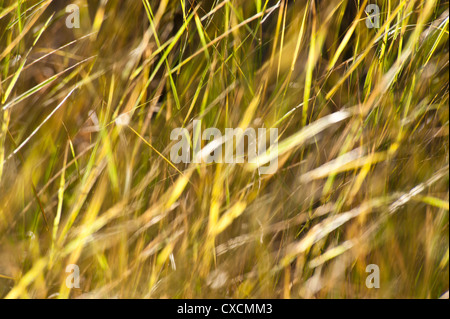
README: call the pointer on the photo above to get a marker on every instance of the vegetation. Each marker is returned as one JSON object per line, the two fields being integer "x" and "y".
{"x": 85, "y": 175}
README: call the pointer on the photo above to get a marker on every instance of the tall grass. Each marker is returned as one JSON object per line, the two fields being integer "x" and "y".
{"x": 85, "y": 175}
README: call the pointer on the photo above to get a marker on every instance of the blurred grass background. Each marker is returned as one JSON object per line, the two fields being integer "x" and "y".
{"x": 85, "y": 126}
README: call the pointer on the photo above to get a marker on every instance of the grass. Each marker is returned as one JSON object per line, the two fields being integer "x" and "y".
{"x": 86, "y": 179}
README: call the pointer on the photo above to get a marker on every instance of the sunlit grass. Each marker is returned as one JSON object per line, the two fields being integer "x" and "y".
{"x": 86, "y": 176}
